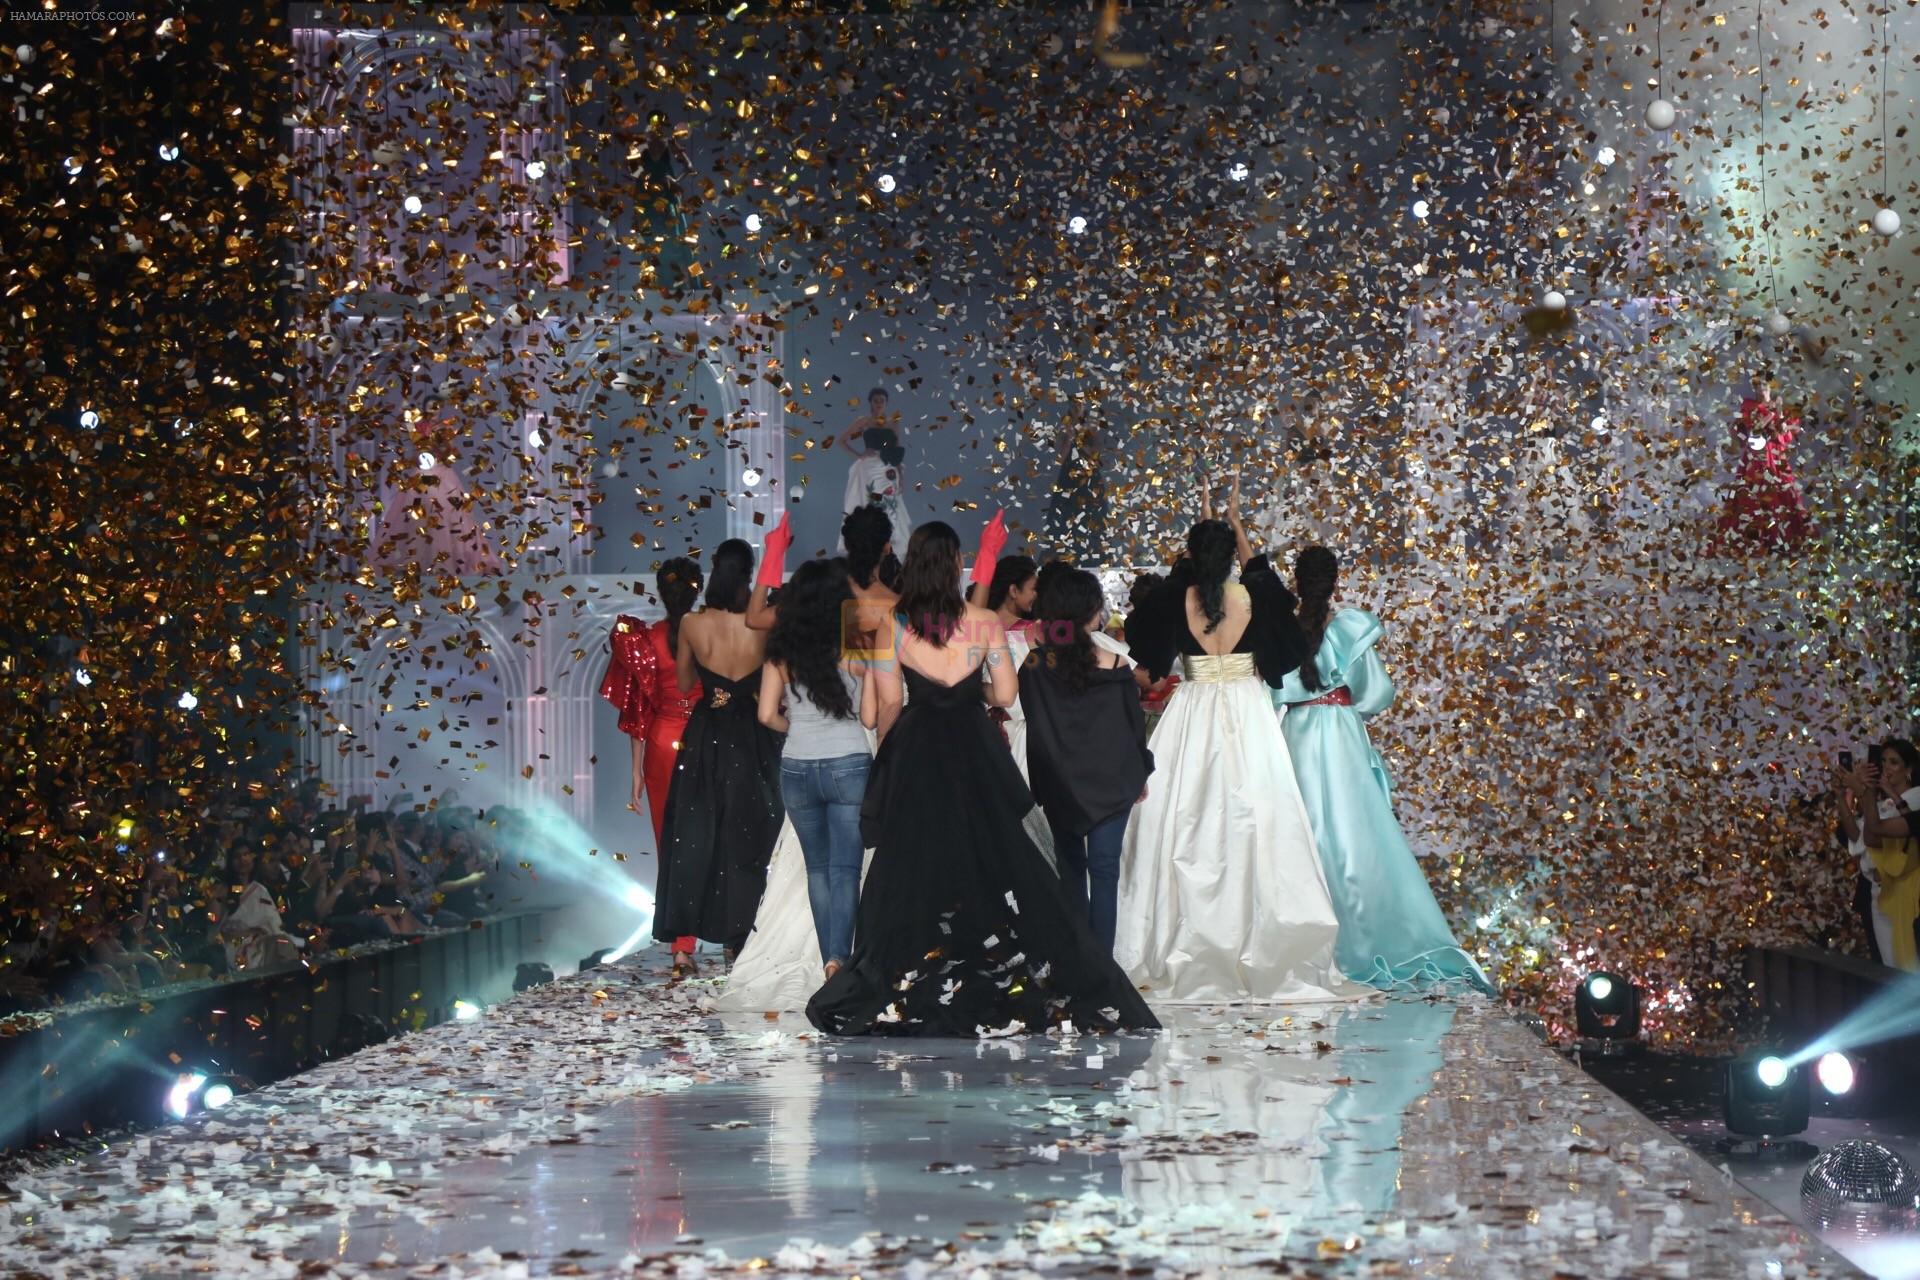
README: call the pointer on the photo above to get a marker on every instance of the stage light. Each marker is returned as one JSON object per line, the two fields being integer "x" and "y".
{"x": 1239, "y": 171}
{"x": 1606, "y": 1008}
{"x": 412, "y": 204}
{"x": 181, "y": 1096}
{"x": 169, "y": 152}
{"x": 533, "y": 973}
{"x": 1421, "y": 209}
{"x": 74, "y": 165}
{"x": 90, "y": 419}
{"x": 753, "y": 224}
{"x": 536, "y": 170}
{"x": 187, "y": 701}
{"x": 1661, "y": 115}
{"x": 1765, "y": 1096}
{"x": 535, "y": 439}
{"x": 83, "y": 677}
{"x": 1886, "y": 221}
{"x": 1076, "y": 225}
{"x": 750, "y": 477}
{"x": 465, "y": 1010}
{"x": 1835, "y": 1073}
{"x": 1860, "y": 1184}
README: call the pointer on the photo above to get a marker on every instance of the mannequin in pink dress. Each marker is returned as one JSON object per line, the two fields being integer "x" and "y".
{"x": 1763, "y": 511}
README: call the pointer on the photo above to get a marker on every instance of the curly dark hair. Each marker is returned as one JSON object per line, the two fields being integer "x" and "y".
{"x": 1008, "y": 573}
{"x": 806, "y": 635}
{"x": 1066, "y": 608}
{"x": 1210, "y": 547}
{"x": 732, "y": 582}
{"x": 868, "y": 535}
{"x": 677, "y": 582}
{"x": 930, "y": 597}
{"x": 1315, "y": 571}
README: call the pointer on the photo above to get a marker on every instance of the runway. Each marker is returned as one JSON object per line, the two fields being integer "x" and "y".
{"x": 604, "y": 1125}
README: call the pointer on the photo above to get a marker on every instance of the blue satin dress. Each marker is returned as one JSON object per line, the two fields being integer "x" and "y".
{"x": 1391, "y": 929}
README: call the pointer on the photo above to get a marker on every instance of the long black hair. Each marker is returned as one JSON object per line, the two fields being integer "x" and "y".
{"x": 732, "y": 582}
{"x": 1315, "y": 571}
{"x": 677, "y": 583}
{"x": 1008, "y": 573}
{"x": 1210, "y": 547}
{"x": 1066, "y": 608}
{"x": 930, "y": 597}
{"x": 806, "y": 634}
{"x": 868, "y": 534}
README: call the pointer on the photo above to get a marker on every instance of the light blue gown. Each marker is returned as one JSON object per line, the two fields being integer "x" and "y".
{"x": 1391, "y": 929}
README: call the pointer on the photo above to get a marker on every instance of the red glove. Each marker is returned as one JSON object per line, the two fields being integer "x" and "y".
{"x": 992, "y": 538}
{"x": 773, "y": 554}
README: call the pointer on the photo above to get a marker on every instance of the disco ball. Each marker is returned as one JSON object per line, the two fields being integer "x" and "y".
{"x": 1859, "y": 1183}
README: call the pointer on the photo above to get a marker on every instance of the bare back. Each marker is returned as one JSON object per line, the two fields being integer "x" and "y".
{"x": 723, "y": 644}
{"x": 1233, "y": 627}
{"x": 950, "y": 663}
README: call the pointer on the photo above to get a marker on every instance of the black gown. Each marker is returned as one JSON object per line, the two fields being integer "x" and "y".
{"x": 723, "y": 816}
{"x": 962, "y": 925}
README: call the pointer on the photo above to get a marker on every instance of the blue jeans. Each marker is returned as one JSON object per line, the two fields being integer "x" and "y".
{"x": 823, "y": 801}
{"x": 1093, "y": 860}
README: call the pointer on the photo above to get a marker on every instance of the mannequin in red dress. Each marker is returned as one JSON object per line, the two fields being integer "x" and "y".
{"x": 1763, "y": 511}
{"x": 641, "y": 684}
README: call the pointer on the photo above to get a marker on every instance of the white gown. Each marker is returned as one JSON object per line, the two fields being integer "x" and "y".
{"x": 1016, "y": 726}
{"x": 779, "y": 968}
{"x": 1222, "y": 899}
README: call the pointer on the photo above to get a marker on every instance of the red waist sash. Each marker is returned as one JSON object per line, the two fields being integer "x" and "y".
{"x": 1341, "y": 697}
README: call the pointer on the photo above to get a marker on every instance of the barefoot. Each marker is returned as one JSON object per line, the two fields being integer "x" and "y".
{"x": 833, "y": 967}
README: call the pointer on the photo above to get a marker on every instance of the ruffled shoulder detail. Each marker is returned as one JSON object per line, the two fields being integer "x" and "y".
{"x": 1350, "y": 633}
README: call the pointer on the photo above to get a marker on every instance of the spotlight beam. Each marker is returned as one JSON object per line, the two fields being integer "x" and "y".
{"x": 1891, "y": 1015}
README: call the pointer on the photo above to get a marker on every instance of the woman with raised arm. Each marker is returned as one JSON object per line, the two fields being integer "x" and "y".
{"x": 723, "y": 810}
{"x": 1221, "y": 893}
{"x": 1391, "y": 929}
{"x": 962, "y": 928}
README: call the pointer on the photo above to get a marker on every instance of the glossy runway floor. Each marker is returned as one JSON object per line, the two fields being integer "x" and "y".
{"x": 605, "y": 1126}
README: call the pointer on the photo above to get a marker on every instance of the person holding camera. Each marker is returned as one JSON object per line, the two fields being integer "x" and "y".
{"x": 1879, "y": 807}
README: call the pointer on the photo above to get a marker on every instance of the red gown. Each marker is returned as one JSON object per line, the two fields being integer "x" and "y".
{"x": 641, "y": 684}
{"x": 1763, "y": 511}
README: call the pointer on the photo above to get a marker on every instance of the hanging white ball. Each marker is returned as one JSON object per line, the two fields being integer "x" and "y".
{"x": 1886, "y": 221}
{"x": 1778, "y": 324}
{"x": 609, "y": 469}
{"x": 1052, "y": 46}
{"x": 23, "y": 53}
{"x": 1661, "y": 115}
{"x": 1554, "y": 300}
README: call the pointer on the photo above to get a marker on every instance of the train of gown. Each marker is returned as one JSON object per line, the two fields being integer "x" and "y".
{"x": 962, "y": 927}
{"x": 1391, "y": 928}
